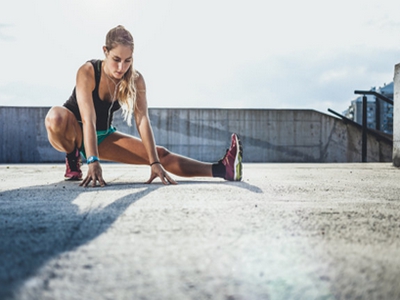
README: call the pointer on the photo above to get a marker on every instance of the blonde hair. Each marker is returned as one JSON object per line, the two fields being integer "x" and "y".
{"x": 126, "y": 93}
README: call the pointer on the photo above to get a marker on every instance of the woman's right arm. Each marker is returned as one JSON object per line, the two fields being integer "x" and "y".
{"x": 85, "y": 84}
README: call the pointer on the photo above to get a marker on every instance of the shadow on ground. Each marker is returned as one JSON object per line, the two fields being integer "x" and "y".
{"x": 39, "y": 223}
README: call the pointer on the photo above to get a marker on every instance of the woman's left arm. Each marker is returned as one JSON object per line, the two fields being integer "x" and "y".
{"x": 146, "y": 133}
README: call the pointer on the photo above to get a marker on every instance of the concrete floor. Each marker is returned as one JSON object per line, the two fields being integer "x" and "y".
{"x": 287, "y": 231}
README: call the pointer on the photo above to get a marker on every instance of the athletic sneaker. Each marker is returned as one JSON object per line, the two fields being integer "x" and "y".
{"x": 233, "y": 160}
{"x": 73, "y": 162}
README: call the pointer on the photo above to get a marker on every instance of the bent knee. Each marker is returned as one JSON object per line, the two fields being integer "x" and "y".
{"x": 55, "y": 119}
{"x": 162, "y": 152}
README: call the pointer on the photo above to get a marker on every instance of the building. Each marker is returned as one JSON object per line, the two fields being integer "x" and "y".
{"x": 386, "y": 109}
{"x": 379, "y": 112}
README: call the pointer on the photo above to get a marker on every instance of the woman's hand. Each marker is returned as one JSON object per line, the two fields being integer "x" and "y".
{"x": 94, "y": 174}
{"x": 157, "y": 170}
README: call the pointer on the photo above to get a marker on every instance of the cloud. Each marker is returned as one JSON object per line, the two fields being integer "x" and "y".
{"x": 305, "y": 80}
{"x": 26, "y": 94}
{"x": 4, "y": 36}
{"x": 333, "y": 79}
{"x": 209, "y": 53}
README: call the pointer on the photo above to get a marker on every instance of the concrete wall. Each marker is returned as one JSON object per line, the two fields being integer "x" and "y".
{"x": 396, "y": 116}
{"x": 204, "y": 134}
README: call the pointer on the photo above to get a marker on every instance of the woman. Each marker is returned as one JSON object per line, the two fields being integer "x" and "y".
{"x": 84, "y": 123}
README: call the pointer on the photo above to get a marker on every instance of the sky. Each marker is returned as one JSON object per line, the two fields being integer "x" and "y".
{"x": 291, "y": 54}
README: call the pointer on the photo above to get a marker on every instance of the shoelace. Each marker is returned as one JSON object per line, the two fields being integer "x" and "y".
{"x": 222, "y": 159}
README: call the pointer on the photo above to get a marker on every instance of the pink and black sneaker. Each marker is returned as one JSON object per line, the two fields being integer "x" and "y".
{"x": 233, "y": 160}
{"x": 73, "y": 163}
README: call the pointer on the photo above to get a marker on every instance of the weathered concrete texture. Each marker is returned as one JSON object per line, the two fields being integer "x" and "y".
{"x": 396, "y": 116}
{"x": 288, "y": 231}
{"x": 23, "y": 136}
{"x": 267, "y": 135}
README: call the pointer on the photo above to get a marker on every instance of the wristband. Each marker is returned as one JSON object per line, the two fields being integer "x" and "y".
{"x": 153, "y": 163}
{"x": 92, "y": 159}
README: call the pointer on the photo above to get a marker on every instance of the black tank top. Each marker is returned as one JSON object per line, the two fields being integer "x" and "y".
{"x": 104, "y": 114}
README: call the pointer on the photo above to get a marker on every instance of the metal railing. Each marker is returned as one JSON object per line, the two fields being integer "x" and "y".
{"x": 364, "y": 118}
{"x": 377, "y": 95}
{"x": 364, "y": 126}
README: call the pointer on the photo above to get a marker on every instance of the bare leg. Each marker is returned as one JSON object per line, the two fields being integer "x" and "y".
{"x": 63, "y": 130}
{"x": 123, "y": 148}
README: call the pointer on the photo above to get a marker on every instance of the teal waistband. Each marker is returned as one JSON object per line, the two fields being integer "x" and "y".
{"x": 101, "y": 135}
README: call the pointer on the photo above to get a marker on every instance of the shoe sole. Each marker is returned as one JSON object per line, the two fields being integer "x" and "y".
{"x": 238, "y": 160}
{"x": 74, "y": 178}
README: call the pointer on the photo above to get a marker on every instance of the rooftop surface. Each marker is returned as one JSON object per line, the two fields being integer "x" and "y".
{"x": 287, "y": 231}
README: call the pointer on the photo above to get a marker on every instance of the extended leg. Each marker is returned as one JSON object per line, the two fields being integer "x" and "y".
{"x": 128, "y": 149}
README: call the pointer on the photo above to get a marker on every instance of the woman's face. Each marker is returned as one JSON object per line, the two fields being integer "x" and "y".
{"x": 118, "y": 61}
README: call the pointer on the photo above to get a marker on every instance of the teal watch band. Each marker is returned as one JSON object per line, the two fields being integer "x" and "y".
{"x": 92, "y": 159}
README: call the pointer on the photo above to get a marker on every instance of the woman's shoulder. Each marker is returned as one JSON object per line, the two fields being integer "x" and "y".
{"x": 92, "y": 64}
{"x": 88, "y": 67}
{"x": 139, "y": 79}
{"x": 137, "y": 74}
{"x": 86, "y": 73}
